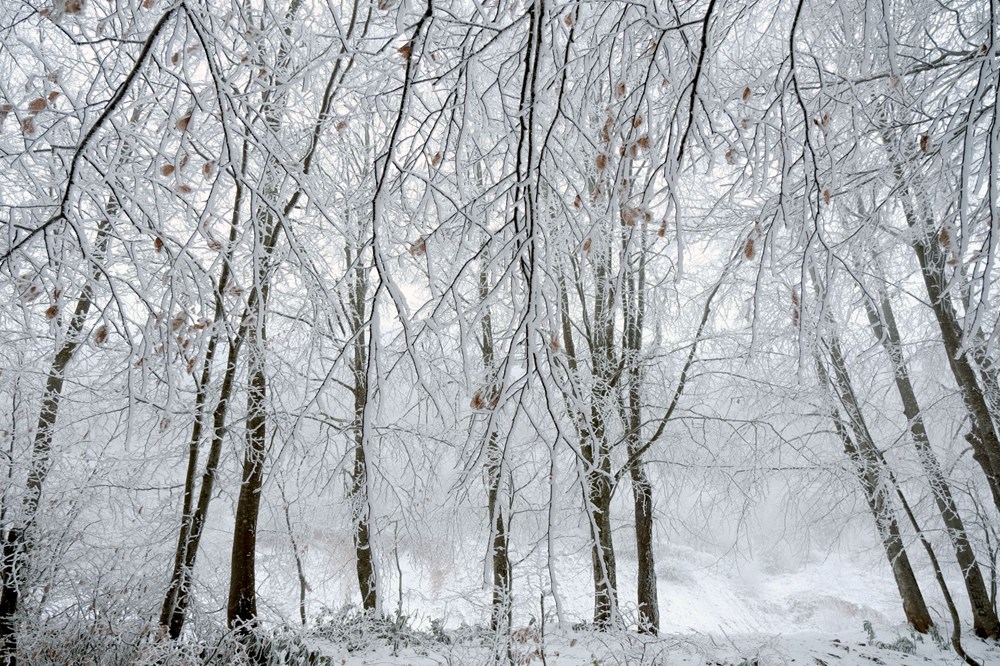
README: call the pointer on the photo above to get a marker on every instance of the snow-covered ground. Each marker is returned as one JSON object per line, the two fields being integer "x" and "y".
{"x": 567, "y": 648}
{"x": 713, "y": 613}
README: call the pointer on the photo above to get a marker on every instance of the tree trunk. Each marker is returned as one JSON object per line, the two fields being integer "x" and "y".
{"x": 175, "y": 603}
{"x": 173, "y": 610}
{"x": 17, "y": 543}
{"x": 649, "y": 610}
{"x": 642, "y": 491}
{"x": 985, "y": 619}
{"x": 500, "y": 615}
{"x": 598, "y": 481}
{"x": 596, "y": 452}
{"x": 603, "y": 550}
{"x": 364, "y": 558}
{"x": 865, "y": 457}
{"x": 241, "y": 611}
{"x": 931, "y": 257}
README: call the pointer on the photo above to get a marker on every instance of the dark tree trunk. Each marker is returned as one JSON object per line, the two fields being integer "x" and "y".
{"x": 985, "y": 619}
{"x": 603, "y": 551}
{"x": 866, "y": 459}
{"x": 598, "y": 481}
{"x": 17, "y": 542}
{"x": 241, "y": 611}
{"x": 649, "y": 610}
{"x": 364, "y": 557}
{"x": 932, "y": 259}
{"x": 596, "y": 451}
{"x": 175, "y": 601}
{"x": 500, "y": 615}
{"x": 642, "y": 491}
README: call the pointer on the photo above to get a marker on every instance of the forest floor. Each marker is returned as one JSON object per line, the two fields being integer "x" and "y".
{"x": 584, "y": 648}
{"x": 832, "y": 610}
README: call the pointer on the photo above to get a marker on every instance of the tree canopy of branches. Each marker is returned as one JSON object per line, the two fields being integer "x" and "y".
{"x": 306, "y": 300}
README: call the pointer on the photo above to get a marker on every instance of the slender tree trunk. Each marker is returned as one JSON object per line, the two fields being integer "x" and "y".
{"x": 883, "y": 325}
{"x": 642, "y": 489}
{"x": 598, "y": 481}
{"x": 866, "y": 459}
{"x": 297, "y": 554}
{"x": 956, "y": 622}
{"x": 175, "y": 601}
{"x": 596, "y": 451}
{"x": 364, "y": 557}
{"x": 932, "y": 260}
{"x": 241, "y": 611}
{"x": 500, "y": 615}
{"x": 173, "y": 612}
{"x": 18, "y": 541}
